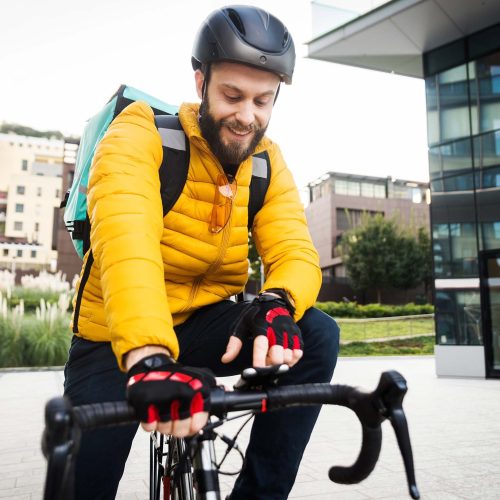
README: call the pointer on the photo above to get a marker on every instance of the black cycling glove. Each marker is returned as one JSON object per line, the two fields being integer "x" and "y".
{"x": 272, "y": 317}
{"x": 161, "y": 389}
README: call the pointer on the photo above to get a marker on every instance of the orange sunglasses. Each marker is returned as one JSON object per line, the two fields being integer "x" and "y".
{"x": 223, "y": 203}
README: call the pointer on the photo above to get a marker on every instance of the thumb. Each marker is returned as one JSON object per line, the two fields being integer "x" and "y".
{"x": 232, "y": 350}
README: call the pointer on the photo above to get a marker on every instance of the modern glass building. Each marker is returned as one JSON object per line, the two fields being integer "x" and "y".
{"x": 455, "y": 47}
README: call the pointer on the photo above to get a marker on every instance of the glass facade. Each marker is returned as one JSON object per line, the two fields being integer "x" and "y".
{"x": 463, "y": 116}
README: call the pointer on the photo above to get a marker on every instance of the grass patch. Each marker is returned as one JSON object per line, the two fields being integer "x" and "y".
{"x": 422, "y": 345}
{"x": 353, "y": 330}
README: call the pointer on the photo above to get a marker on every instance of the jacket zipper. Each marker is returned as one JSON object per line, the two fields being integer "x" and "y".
{"x": 220, "y": 256}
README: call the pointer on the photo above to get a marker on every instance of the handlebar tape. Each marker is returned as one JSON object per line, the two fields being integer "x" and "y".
{"x": 96, "y": 415}
{"x": 340, "y": 395}
{"x": 365, "y": 463}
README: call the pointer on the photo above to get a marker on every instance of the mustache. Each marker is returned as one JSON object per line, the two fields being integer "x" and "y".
{"x": 236, "y": 125}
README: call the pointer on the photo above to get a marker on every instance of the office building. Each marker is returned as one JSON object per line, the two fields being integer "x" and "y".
{"x": 454, "y": 45}
{"x": 337, "y": 202}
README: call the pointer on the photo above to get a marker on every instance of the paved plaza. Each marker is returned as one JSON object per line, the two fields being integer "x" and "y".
{"x": 454, "y": 426}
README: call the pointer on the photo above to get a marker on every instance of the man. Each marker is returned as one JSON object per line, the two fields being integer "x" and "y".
{"x": 154, "y": 292}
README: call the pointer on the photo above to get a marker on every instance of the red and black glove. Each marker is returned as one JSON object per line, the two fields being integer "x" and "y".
{"x": 272, "y": 317}
{"x": 161, "y": 389}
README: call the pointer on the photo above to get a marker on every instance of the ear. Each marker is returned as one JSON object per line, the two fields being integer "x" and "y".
{"x": 199, "y": 78}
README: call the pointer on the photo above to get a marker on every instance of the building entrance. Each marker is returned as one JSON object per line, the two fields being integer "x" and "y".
{"x": 490, "y": 305}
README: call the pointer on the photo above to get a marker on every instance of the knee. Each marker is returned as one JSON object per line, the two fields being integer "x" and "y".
{"x": 321, "y": 339}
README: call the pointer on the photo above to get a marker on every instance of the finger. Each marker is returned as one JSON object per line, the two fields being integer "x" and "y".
{"x": 275, "y": 355}
{"x": 260, "y": 348}
{"x": 198, "y": 421}
{"x": 149, "y": 426}
{"x": 232, "y": 350}
{"x": 164, "y": 427}
{"x": 287, "y": 356}
{"x": 180, "y": 428}
{"x": 296, "y": 355}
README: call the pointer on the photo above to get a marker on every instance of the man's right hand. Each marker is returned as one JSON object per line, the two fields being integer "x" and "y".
{"x": 168, "y": 397}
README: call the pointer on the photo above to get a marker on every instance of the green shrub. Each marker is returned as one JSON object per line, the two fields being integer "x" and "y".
{"x": 28, "y": 341}
{"x": 31, "y": 298}
{"x": 355, "y": 310}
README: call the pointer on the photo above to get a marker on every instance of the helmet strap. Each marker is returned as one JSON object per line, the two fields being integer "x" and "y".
{"x": 277, "y": 93}
{"x": 205, "y": 69}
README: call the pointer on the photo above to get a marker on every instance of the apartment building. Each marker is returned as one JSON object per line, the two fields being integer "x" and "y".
{"x": 30, "y": 193}
{"x": 337, "y": 202}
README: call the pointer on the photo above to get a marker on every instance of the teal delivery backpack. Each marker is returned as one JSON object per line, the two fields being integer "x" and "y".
{"x": 172, "y": 179}
{"x": 75, "y": 201}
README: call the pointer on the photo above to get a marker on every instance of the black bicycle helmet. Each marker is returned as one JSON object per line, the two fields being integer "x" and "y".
{"x": 248, "y": 35}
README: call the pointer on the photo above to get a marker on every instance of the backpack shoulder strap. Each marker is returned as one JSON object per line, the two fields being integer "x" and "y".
{"x": 174, "y": 167}
{"x": 261, "y": 176}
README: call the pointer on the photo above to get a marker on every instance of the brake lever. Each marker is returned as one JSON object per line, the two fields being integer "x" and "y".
{"x": 60, "y": 442}
{"x": 391, "y": 391}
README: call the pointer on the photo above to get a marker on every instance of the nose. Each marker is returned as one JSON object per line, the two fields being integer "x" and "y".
{"x": 245, "y": 113}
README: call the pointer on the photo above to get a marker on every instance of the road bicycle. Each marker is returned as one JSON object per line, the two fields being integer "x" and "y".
{"x": 186, "y": 469}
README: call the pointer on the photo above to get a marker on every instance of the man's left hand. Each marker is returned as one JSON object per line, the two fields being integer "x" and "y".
{"x": 267, "y": 320}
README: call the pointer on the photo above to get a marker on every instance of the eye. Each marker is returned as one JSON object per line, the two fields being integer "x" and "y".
{"x": 261, "y": 102}
{"x": 232, "y": 98}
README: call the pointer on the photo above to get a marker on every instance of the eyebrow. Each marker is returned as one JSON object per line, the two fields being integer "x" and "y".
{"x": 237, "y": 89}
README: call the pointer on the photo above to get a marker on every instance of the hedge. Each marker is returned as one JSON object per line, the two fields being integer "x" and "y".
{"x": 355, "y": 310}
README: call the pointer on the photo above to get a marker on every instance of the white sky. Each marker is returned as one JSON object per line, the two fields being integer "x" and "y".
{"x": 61, "y": 60}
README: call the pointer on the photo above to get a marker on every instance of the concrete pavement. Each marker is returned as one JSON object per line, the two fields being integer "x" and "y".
{"x": 454, "y": 426}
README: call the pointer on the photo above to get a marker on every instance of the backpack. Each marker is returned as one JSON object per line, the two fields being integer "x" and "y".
{"x": 175, "y": 157}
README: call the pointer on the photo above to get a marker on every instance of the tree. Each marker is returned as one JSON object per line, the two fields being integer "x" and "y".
{"x": 28, "y": 131}
{"x": 378, "y": 254}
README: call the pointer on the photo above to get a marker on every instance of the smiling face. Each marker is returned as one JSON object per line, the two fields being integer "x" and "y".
{"x": 236, "y": 108}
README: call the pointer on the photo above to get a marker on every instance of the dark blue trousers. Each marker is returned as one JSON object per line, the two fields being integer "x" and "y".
{"x": 277, "y": 439}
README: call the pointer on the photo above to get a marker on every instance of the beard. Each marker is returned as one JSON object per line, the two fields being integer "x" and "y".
{"x": 233, "y": 152}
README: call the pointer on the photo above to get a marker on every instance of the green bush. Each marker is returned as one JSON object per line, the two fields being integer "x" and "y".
{"x": 28, "y": 341}
{"x": 355, "y": 310}
{"x": 32, "y": 297}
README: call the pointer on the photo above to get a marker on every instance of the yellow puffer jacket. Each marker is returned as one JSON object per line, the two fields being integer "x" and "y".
{"x": 145, "y": 273}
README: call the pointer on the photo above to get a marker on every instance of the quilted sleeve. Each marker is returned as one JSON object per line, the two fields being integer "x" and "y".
{"x": 283, "y": 241}
{"x": 126, "y": 218}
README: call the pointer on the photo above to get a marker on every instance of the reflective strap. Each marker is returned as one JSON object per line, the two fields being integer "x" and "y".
{"x": 173, "y": 139}
{"x": 259, "y": 167}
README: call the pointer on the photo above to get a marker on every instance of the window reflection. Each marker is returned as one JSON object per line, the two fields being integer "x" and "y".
{"x": 455, "y": 250}
{"x": 458, "y": 317}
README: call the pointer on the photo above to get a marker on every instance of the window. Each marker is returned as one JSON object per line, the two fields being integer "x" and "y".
{"x": 347, "y": 218}
{"x": 39, "y": 191}
{"x": 18, "y": 226}
{"x": 5, "y": 252}
{"x": 19, "y": 208}
{"x": 349, "y": 188}
{"x": 33, "y": 254}
{"x": 58, "y": 193}
{"x": 455, "y": 251}
{"x": 20, "y": 190}
{"x": 458, "y": 318}
{"x": 37, "y": 227}
{"x": 19, "y": 253}
{"x": 24, "y": 165}
{"x": 378, "y": 191}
